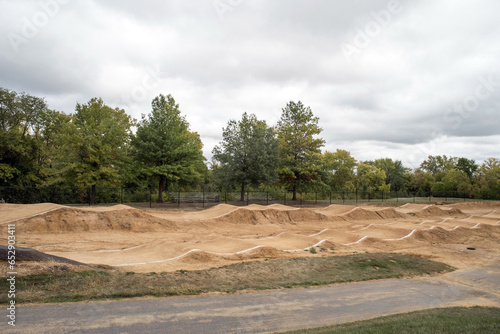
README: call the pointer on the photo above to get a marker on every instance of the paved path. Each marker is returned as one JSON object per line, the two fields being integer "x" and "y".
{"x": 264, "y": 312}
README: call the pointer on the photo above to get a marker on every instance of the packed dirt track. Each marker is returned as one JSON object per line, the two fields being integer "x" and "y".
{"x": 463, "y": 235}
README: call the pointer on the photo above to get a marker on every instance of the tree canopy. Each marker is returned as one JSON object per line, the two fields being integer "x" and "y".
{"x": 165, "y": 147}
{"x": 300, "y": 149}
{"x": 96, "y": 147}
{"x": 94, "y": 144}
{"x": 247, "y": 154}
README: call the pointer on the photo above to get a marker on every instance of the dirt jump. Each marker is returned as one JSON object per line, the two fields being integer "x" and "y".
{"x": 463, "y": 235}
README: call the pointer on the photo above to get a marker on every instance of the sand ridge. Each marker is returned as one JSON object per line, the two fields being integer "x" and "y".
{"x": 151, "y": 240}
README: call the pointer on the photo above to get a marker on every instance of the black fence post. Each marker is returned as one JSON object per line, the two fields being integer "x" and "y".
{"x": 267, "y": 198}
{"x": 356, "y": 195}
{"x": 285, "y": 197}
{"x": 330, "y": 198}
{"x": 248, "y": 196}
{"x": 178, "y": 198}
{"x": 150, "y": 196}
{"x": 203, "y": 196}
{"x": 316, "y": 198}
{"x": 121, "y": 195}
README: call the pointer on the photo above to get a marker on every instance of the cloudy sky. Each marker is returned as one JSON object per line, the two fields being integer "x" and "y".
{"x": 399, "y": 79}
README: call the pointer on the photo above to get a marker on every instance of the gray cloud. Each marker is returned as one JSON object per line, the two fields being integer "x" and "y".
{"x": 396, "y": 96}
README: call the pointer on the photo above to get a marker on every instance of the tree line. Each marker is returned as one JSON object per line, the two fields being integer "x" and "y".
{"x": 96, "y": 146}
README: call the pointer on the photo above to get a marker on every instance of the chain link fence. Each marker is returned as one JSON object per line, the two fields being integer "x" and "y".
{"x": 148, "y": 197}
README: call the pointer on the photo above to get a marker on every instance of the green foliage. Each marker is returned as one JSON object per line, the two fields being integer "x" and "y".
{"x": 421, "y": 181}
{"x": 369, "y": 178}
{"x": 21, "y": 120}
{"x": 488, "y": 180}
{"x": 339, "y": 170}
{"x": 468, "y": 166}
{"x": 300, "y": 154}
{"x": 437, "y": 165}
{"x": 95, "y": 142}
{"x": 165, "y": 147}
{"x": 395, "y": 173}
{"x": 247, "y": 155}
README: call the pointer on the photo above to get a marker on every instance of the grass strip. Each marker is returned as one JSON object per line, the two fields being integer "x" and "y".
{"x": 254, "y": 275}
{"x": 463, "y": 320}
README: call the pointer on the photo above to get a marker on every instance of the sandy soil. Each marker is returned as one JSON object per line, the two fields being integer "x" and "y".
{"x": 463, "y": 235}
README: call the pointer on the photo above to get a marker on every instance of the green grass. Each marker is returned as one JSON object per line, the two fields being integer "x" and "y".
{"x": 457, "y": 320}
{"x": 255, "y": 275}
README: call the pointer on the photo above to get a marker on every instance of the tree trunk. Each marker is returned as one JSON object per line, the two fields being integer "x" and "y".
{"x": 92, "y": 195}
{"x": 294, "y": 197}
{"x": 161, "y": 189}
{"x": 242, "y": 192}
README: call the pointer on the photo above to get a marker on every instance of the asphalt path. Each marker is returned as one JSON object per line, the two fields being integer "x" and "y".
{"x": 265, "y": 311}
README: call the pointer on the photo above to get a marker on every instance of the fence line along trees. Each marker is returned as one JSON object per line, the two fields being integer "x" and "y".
{"x": 300, "y": 149}
{"x": 247, "y": 154}
{"x": 94, "y": 145}
{"x": 165, "y": 147}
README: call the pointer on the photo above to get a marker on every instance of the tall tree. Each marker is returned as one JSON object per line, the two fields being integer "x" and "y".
{"x": 489, "y": 179}
{"x": 95, "y": 142}
{"x": 468, "y": 166}
{"x": 300, "y": 149}
{"x": 369, "y": 178}
{"x": 20, "y": 123}
{"x": 438, "y": 165}
{"x": 395, "y": 173}
{"x": 165, "y": 146}
{"x": 339, "y": 167}
{"x": 247, "y": 155}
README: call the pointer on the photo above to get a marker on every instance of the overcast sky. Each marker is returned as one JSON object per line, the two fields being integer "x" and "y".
{"x": 394, "y": 79}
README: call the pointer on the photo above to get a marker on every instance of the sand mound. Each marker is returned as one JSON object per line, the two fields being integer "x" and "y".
{"x": 75, "y": 220}
{"x": 199, "y": 257}
{"x": 475, "y": 205}
{"x": 269, "y": 216}
{"x": 14, "y": 212}
{"x": 434, "y": 211}
{"x": 370, "y": 214}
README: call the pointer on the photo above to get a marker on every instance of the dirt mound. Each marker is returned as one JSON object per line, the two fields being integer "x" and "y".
{"x": 434, "y": 211}
{"x": 199, "y": 257}
{"x": 438, "y": 235}
{"x": 270, "y": 216}
{"x": 75, "y": 220}
{"x": 389, "y": 213}
{"x": 262, "y": 252}
{"x": 370, "y": 214}
{"x": 13, "y": 212}
{"x": 475, "y": 205}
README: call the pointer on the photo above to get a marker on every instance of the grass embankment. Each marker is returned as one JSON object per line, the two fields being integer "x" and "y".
{"x": 256, "y": 275}
{"x": 463, "y": 320}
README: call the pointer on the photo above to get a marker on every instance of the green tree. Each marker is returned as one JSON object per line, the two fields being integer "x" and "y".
{"x": 369, "y": 178}
{"x": 20, "y": 127}
{"x": 438, "y": 165}
{"x": 488, "y": 180}
{"x": 454, "y": 181}
{"x": 421, "y": 181}
{"x": 395, "y": 173}
{"x": 247, "y": 155}
{"x": 339, "y": 169}
{"x": 468, "y": 166}
{"x": 94, "y": 145}
{"x": 165, "y": 147}
{"x": 300, "y": 149}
